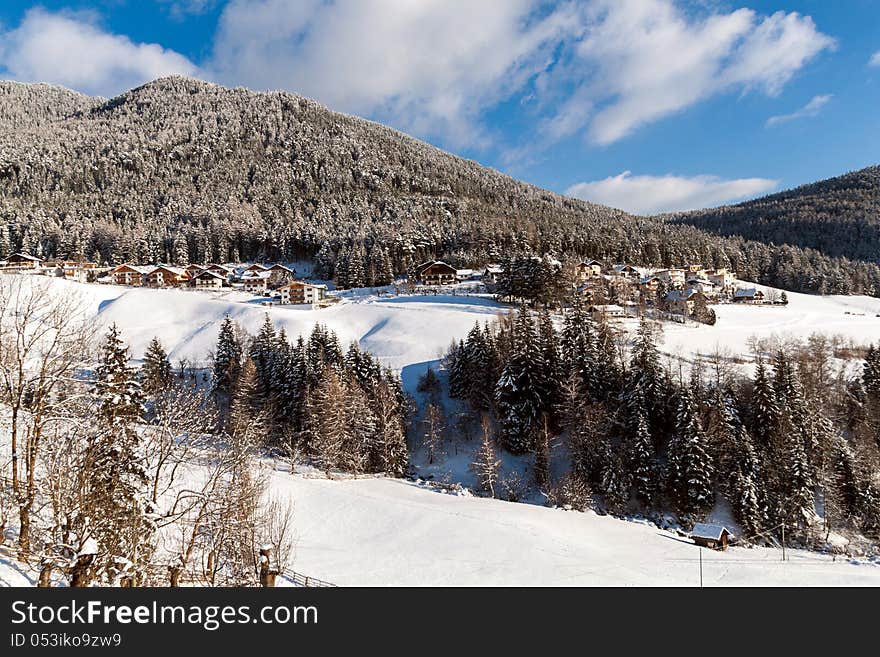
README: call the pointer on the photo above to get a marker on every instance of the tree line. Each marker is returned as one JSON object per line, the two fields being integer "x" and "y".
{"x": 647, "y": 438}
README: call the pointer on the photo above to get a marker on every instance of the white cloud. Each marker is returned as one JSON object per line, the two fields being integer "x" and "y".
{"x": 875, "y": 59}
{"x": 647, "y": 59}
{"x": 429, "y": 66}
{"x": 73, "y": 51}
{"x": 434, "y": 66}
{"x": 655, "y": 194}
{"x": 809, "y": 110}
{"x": 180, "y": 9}
{"x": 599, "y": 68}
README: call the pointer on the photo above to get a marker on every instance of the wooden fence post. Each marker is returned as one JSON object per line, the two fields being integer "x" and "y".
{"x": 267, "y": 576}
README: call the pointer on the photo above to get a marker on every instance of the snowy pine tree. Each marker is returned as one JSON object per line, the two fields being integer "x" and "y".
{"x": 765, "y": 410}
{"x": 227, "y": 358}
{"x": 120, "y": 514}
{"x": 690, "y": 466}
{"x": 520, "y": 394}
{"x": 156, "y": 375}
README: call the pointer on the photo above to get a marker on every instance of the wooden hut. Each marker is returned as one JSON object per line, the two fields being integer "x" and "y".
{"x": 707, "y": 535}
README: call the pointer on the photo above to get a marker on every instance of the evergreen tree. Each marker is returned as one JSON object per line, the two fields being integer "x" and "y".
{"x": 640, "y": 456}
{"x": 116, "y": 480}
{"x": 156, "y": 376}
{"x": 552, "y": 365}
{"x": 744, "y": 482}
{"x": 390, "y": 454}
{"x": 355, "y": 270}
{"x": 227, "y": 358}
{"x": 765, "y": 410}
{"x": 795, "y": 500}
{"x": 520, "y": 394}
{"x": 323, "y": 263}
{"x": 181, "y": 252}
{"x": 690, "y": 466}
{"x": 264, "y": 353}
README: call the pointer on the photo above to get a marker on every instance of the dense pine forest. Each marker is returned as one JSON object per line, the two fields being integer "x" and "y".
{"x": 185, "y": 171}
{"x": 839, "y": 217}
{"x": 650, "y": 438}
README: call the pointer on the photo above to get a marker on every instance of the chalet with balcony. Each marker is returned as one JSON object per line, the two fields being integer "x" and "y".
{"x": 166, "y": 276}
{"x": 208, "y": 279}
{"x": 436, "y": 272}
{"x": 300, "y": 292}
{"x": 126, "y": 274}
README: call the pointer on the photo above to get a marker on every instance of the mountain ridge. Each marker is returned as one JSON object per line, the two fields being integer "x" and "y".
{"x": 838, "y": 216}
{"x": 180, "y": 170}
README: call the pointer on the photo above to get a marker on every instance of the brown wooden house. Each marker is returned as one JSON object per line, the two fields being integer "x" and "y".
{"x": 166, "y": 276}
{"x": 279, "y": 275}
{"x": 208, "y": 279}
{"x": 128, "y": 275}
{"x": 716, "y": 537}
{"x": 22, "y": 261}
{"x": 436, "y": 273}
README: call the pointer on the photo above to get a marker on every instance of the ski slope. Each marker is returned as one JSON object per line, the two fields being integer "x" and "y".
{"x": 387, "y": 532}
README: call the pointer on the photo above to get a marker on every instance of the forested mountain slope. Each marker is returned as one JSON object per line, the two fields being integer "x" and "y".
{"x": 180, "y": 169}
{"x": 839, "y": 216}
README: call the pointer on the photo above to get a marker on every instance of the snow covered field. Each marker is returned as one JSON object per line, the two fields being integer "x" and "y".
{"x": 405, "y": 332}
{"x": 377, "y": 531}
{"x": 804, "y": 315}
{"x": 413, "y": 330}
{"x": 361, "y": 532}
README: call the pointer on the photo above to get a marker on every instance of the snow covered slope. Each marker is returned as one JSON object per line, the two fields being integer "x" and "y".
{"x": 409, "y": 330}
{"x": 363, "y": 532}
{"x": 852, "y": 317}
{"x": 402, "y": 331}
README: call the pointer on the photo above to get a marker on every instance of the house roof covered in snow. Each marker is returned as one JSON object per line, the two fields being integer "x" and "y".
{"x": 177, "y": 271}
{"x": 607, "y": 308}
{"x": 208, "y": 273}
{"x": 709, "y": 531}
{"x": 745, "y": 293}
{"x": 679, "y": 295}
{"x": 255, "y": 275}
{"x": 19, "y": 257}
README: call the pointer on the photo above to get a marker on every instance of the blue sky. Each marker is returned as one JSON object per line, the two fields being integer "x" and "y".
{"x": 649, "y": 105}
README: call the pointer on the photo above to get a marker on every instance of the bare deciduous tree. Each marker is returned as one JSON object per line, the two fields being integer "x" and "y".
{"x": 43, "y": 338}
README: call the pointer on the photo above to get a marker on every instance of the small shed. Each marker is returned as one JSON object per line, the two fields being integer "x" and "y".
{"x": 707, "y": 535}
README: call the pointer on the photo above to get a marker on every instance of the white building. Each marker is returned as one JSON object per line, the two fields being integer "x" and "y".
{"x": 300, "y": 292}
{"x": 722, "y": 278}
{"x": 672, "y": 277}
{"x": 608, "y": 311}
{"x": 208, "y": 279}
